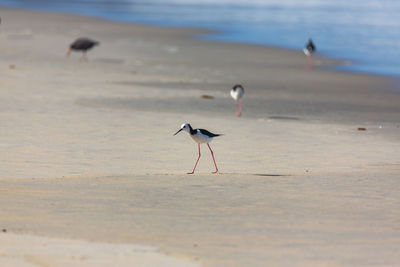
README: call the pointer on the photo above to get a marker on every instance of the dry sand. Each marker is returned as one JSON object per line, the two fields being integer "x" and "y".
{"x": 89, "y": 166}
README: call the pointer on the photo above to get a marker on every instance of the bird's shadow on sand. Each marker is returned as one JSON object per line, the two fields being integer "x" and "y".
{"x": 270, "y": 175}
{"x": 287, "y": 118}
{"x": 257, "y": 174}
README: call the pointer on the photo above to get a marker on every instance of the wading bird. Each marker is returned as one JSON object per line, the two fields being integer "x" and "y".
{"x": 237, "y": 93}
{"x": 200, "y": 136}
{"x": 309, "y": 50}
{"x": 82, "y": 44}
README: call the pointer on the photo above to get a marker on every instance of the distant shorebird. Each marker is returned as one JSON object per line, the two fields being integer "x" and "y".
{"x": 237, "y": 93}
{"x": 82, "y": 44}
{"x": 200, "y": 136}
{"x": 309, "y": 50}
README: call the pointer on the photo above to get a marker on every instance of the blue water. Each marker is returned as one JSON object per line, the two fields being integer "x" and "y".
{"x": 366, "y": 32}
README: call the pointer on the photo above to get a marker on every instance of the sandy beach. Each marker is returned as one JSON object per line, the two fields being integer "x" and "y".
{"x": 91, "y": 174}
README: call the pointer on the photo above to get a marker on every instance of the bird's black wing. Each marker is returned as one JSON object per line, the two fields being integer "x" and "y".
{"x": 203, "y": 131}
{"x": 238, "y": 86}
{"x": 83, "y": 44}
{"x": 311, "y": 47}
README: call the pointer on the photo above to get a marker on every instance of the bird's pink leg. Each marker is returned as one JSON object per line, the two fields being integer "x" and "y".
{"x": 212, "y": 154}
{"x": 196, "y": 162}
{"x": 84, "y": 57}
{"x": 240, "y": 107}
{"x": 237, "y": 109}
{"x": 309, "y": 62}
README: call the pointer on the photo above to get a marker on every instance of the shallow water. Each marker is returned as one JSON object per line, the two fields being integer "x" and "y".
{"x": 366, "y": 32}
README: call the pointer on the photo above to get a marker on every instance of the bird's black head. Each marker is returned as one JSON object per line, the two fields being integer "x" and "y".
{"x": 237, "y": 86}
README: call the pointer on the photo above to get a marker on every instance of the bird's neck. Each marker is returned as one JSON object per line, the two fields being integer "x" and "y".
{"x": 191, "y": 131}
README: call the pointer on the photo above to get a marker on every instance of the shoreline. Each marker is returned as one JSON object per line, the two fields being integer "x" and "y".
{"x": 327, "y": 63}
{"x": 88, "y": 152}
{"x": 338, "y": 63}
{"x": 332, "y": 63}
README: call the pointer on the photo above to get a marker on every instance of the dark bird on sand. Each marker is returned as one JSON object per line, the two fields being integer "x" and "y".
{"x": 82, "y": 44}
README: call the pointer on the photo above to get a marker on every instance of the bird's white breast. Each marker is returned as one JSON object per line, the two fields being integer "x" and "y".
{"x": 200, "y": 138}
{"x": 236, "y": 94}
{"x": 306, "y": 52}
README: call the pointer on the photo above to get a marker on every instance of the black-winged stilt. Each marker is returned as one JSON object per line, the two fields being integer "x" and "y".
{"x": 237, "y": 93}
{"x": 200, "y": 136}
{"x": 82, "y": 44}
{"x": 309, "y": 50}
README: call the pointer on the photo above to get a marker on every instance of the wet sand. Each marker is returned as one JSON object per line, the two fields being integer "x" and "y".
{"x": 88, "y": 153}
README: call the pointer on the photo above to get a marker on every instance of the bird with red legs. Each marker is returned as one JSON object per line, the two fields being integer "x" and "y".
{"x": 309, "y": 50}
{"x": 237, "y": 94}
{"x": 200, "y": 136}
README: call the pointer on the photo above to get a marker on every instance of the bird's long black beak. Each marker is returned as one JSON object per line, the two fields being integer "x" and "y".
{"x": 177, "y": 132}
